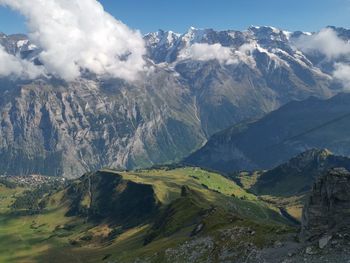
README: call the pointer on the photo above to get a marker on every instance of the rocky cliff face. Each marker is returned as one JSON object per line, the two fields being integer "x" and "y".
{"x": 67, "y": 129}
{"x": 328, "y": 208}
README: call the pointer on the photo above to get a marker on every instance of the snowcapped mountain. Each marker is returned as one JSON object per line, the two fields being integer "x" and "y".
{"x": 263, "y": 37}
{"x": 160, "y": 45}
{"x": 167, "y": 46}
{"x": 245, "y": 46}
{"x": 203, "y": 81}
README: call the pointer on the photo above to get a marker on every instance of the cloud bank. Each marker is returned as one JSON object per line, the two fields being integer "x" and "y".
{"x": 342, "y": 73}
{"x": 78, "y": 36}
{"x": 12, "y": 65}
{"x": 206, "y": 52}
{"x": 328, "y": 43}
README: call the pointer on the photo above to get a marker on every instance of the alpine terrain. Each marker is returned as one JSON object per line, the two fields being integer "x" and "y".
{"x": 53, "y": 127}
{"x": 207, "y": 146}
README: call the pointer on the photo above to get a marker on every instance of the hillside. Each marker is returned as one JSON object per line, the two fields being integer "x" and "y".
{"x": 297, "y": 176}
{"x": 279, "y": 136}
{"x": 146, "y": 214}
{"x": 288, "y": 185}
{"x": 181, "y": 215}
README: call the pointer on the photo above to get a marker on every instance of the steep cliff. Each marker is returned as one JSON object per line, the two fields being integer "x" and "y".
{"x": 328, "y": 208}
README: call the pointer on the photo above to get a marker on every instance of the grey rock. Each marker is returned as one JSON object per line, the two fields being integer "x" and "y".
{"x": 323, "y": 242}
{"x": 278, "y": 244}
{"x": 328, "y": 207}
{"x": 310, "y": 251}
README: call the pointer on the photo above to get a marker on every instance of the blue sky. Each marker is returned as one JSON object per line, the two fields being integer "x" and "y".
{"x": 179, "y": 15}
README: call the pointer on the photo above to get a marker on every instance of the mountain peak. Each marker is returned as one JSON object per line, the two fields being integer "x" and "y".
{"x": 314, "y": 153}
{"x": 194, "y": 35}
{"x": 193, "y": 30}
{"x": 265, "y": 28}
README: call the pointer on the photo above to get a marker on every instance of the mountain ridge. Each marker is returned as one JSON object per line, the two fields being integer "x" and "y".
{"x": 94, "y": 122}
{"x": 283, "y": 133}
{"x": 297, "y": 176}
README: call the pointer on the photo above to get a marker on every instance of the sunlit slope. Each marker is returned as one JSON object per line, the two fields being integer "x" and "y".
{"x": 102, "y": 216}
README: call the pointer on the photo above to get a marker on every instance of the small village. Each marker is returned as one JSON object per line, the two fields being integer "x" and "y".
{"x": 31, "y": 180}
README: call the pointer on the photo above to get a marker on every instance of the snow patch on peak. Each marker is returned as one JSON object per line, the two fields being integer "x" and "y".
{"x": 268, "y": 33}
{"x": 288, "y": 34}
{"x": 275, "y": 30}
{"x": 265, "y": 28}
{"x": 194, "y": 35}
{"x": 254, "y": 27}
{"x": 25, "y": 45}
{"x": 168, "y": 38}
{"x": 21, "y": 43}
{"x": 272, "y": 55}
{"x": 161, "y": 38}
{"x": 172, "y": 37}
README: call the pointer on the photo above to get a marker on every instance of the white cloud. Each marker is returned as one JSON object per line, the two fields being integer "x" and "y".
{"x": 342, "y": 73}
{"x": 244, "y": 53}
{"x": 206, "y": 52}
{"x": 77, "y": 35}
{"x": 225, "y": 55}
{"x": 326, "y": 42}
{"x": 12, "y": 65}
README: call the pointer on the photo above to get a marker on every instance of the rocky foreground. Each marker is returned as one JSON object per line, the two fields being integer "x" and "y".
{"x": 325, "y": 231}
{"x": 324, "y": 236}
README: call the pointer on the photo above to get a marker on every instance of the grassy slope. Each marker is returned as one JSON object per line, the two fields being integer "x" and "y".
{"x": 46, "y": 237}
{"x": 25, "y": 237}
{"x": 292, "y": 204}
{"x": 213, "y": 186}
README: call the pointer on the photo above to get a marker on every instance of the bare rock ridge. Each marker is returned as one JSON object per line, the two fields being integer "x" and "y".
{"x": 327, "y": 211}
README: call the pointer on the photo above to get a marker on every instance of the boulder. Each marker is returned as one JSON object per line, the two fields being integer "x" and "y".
{"x": 323, "y": 242}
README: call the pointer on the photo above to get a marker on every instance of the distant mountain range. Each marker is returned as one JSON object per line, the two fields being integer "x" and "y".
{"x": 52, "y": 127}
{"x": 279, "y": 136}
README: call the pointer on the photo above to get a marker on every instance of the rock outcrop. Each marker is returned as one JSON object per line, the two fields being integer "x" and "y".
{"x": 328, "y": 208}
